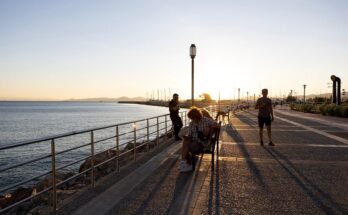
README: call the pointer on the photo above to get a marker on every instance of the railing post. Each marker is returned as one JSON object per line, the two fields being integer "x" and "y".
{"x": 148, "y": 134}
{"x": 135, "y": 139}
{"x": 166, "y": 129}
{"x": 54, "y": 193}
{"x": 92, "y": 161}
{"x": 157, "y": 139}
{"x": 117, "y": 149}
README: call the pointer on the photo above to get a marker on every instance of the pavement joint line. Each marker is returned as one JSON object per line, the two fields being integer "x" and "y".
{"x": 108, "y": 199}
{"x": 279, "y": 126}
{"x": 342, "y": 125}
{"x": 240, "y": 159}
{"x": 285, "y": 144}
{"x": 256, "y": 129}
{"x": 339, "y": 139}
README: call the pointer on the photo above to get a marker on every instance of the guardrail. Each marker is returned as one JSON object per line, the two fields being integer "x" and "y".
{"x": 51, "y": 154}
{"x": 47, "y": 156}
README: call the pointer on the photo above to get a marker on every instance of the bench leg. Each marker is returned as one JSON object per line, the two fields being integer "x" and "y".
{"x": 212, "y": 161}
{"x": 193, "y": 162}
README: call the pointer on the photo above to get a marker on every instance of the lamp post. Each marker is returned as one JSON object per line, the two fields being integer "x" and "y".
{"x": 247, "y": 96}
{"x": 304, "y": 93}
{"x": 238, "y": 95}
{"x": 193, "y": 55}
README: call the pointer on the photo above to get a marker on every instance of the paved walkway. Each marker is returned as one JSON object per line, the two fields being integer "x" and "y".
{"x": 305, "y": 173}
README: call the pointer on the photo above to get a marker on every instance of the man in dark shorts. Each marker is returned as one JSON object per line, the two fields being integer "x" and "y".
{"x": 265, "y": 116}
{"x": 174, "y": 115}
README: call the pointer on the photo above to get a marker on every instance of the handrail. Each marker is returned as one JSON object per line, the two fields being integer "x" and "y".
{"x": 28, "y": 142}
{"x": 132, "y": 137}
{"x": 150, "y": 129}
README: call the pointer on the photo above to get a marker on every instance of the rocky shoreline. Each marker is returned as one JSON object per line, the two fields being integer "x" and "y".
{"x": 41, "y": 204}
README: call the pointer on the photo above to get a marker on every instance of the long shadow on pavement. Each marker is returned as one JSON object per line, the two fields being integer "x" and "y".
{"x": 180, "y": 203}
{"x": 217, "y": 190}
{"x": 153, "y": 193}
{"x": 246, "y": 120}
{"x": 236, "y": 137}
{"x": 306, "y": 185}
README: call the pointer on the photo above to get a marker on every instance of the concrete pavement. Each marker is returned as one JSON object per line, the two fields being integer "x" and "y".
{"x": 305, "y": 173}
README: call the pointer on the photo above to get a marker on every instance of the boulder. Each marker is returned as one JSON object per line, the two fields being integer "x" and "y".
{"x": 47, "y": 181}
{"x": 40, "y": 210}
{"x": 5, "y": 199}
{"x": 98, "y": 158}
{"x": 19, "y": 194}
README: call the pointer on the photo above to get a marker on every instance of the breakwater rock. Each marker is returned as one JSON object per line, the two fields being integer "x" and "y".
{"x": 39, "y": 197}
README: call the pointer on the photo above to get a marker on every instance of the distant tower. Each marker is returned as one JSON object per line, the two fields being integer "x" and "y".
{"x": 336, "y": 92}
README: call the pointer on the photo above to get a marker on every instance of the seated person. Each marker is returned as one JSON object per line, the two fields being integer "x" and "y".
{"x": 206, "y": 113}
{"x": 197, "y": 137}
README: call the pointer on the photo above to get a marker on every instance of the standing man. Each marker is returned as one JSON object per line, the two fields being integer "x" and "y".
{"x": 174, "y": 115}
{"x": 265, "y": 116}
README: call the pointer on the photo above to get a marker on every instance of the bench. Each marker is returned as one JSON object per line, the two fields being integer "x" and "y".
{"x": 223, "y": 114}
{"x": 210, "y": 149}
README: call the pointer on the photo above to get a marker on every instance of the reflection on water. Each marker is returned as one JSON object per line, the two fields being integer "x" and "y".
{"x": 30, "y": 120}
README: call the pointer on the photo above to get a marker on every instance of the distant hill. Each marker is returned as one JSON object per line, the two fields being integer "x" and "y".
{"x": 105, "y": 99}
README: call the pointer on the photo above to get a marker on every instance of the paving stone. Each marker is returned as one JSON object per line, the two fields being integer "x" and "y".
{"x": 305, "y": 173}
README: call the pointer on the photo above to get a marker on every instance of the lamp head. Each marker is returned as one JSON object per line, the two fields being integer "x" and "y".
{"x": 333, "y": 78}
{"x": 193, "y": 51}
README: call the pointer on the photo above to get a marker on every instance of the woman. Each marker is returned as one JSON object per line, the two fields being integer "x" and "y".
{"x": 197, "y": 137}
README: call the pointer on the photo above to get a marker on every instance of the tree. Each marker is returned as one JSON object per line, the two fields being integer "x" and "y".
{"x": 320, "y": 99}
{"x": 205, "y": 97}
{"x": 291, "y": 98}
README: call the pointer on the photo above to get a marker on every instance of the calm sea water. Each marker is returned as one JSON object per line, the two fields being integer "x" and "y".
{"x": 30, "y": 120}
{"x": 21, "y": 121}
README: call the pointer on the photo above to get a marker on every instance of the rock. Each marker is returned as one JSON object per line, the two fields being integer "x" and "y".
{"x": 19, "y": 194}
{"x": 47, "y": 181}
{"x": 41, "y": 209}
{"x": 98, "y": 158}
{"x": 5, "y": 199}
{"x": 21, "y": 209}
{"x": 63, "y": 194}
{"x": 77, "y": 186}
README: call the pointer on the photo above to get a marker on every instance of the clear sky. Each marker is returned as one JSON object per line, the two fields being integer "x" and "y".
{"x": 83, "y": 49}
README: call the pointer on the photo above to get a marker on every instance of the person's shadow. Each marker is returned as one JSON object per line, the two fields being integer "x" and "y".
{"x": 318, "y": 196}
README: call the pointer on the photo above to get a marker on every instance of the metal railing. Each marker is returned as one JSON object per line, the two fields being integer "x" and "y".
{"x": 46, "y": 157}
{"x": 49, "y": 156}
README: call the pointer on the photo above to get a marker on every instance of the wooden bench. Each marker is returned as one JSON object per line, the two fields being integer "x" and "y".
{"x": 210, "y": 149}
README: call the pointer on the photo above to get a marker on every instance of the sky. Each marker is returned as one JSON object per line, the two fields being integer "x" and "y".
{"x": 57, "y": 50}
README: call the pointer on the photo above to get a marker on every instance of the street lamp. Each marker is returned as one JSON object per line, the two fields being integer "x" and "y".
{"x": 247, "y": 96}
{"x": 238, "y": 95}
{"x": 193, "y": 55}
{"x": 304, "y": 93}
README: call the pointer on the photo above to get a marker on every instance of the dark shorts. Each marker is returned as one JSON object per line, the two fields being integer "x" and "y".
{"x": 195, "y": 147}
{"x": 264, "y": 120}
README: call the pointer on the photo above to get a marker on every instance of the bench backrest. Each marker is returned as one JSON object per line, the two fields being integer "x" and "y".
{"x": 214, "y": 138}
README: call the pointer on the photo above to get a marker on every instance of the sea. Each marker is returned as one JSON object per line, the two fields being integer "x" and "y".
{"x": 23, "y": 121}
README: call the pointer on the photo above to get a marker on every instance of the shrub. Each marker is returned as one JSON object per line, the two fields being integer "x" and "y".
{"x": 344, "y": 111}
{"x": 334, "y": 110}
{"x": 330, "y": 109}
{"x": 308, "y": 108}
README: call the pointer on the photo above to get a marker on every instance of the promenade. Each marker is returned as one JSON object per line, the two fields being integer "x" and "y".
{"x": 305, "y": 173}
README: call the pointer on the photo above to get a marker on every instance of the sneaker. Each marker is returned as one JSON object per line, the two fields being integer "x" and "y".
{"x": 186, "y": 168}
{"x": 182, "y": 164}
{"x": 271, "y": 143}
{"x": 261, "y": 143}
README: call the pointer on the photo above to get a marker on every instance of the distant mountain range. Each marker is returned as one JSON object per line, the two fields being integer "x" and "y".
{"x": 105, "y": 99}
